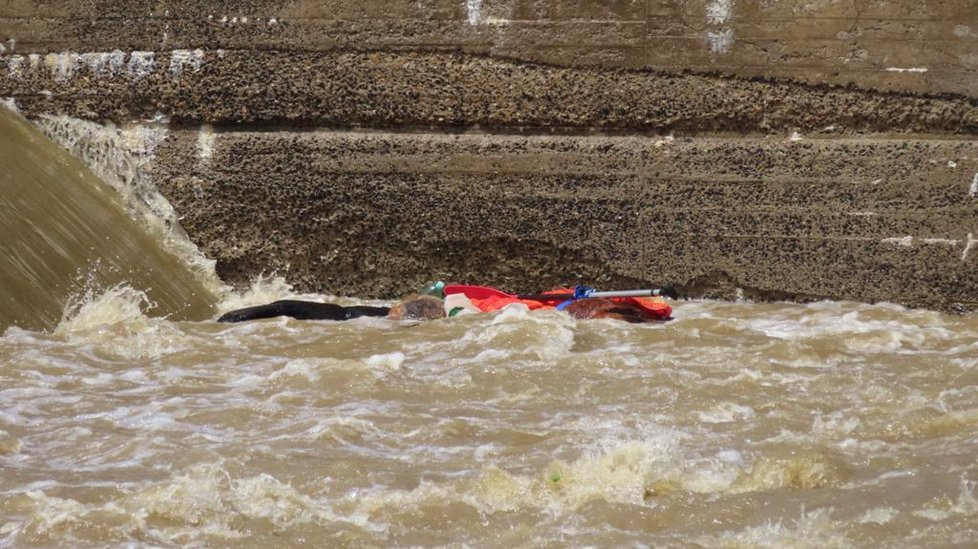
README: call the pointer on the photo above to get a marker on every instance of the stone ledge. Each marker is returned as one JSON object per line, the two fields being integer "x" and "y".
{"x": 450, "y": 91}
{"x": 823, "y": 42}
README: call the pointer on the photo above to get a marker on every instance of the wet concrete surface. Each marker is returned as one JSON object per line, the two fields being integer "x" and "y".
{"x": 381, "y": 214}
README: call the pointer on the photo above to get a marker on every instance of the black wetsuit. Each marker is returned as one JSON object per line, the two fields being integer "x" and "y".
{"x": 303, "y": 310}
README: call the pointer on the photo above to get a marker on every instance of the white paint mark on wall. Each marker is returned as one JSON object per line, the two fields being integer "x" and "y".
{"x": 181, "y": 60}
{"x": 943, "y": 241}
{"x": 908, "y": 242}
{"x": 718, "y": 12}
{"x": 973, "y": 191}
{"x": 65, "y": 65}
{"x": 667, "y": 140}
{"x": 105, "y": 63}
{"x": 96, "y": 62}
{"x": 9, "y": 103}
{"x": 474, "y": 9}
{"x": 967, "y": 247}
{"x": 906, "y": 69}
{"x": 205, "y": 143}
{"x": 905, "y": 241}
{"x": 15, "y": 65}
{"x": 62, "y": 65}
{"x": 141, "y": 64}
{"x": 795, "y": 136}
{"x": 116, "y": 61}
{"x": 721, "y": 41}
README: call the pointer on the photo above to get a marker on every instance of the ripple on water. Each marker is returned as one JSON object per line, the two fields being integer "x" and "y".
{"x": 829, "y": 424}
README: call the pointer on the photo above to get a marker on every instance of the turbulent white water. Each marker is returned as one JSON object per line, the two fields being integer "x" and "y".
{"x": 66, "y": 234}
{"x": 735, "y": 425}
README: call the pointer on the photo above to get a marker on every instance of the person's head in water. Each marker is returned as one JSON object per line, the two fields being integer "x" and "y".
{"x": 418, "y": 307}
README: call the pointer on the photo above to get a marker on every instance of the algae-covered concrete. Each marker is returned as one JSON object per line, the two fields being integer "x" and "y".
{"x": 791, "y": 149}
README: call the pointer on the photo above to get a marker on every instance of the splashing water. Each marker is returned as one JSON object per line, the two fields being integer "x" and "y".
{"x": 735, "y": 425}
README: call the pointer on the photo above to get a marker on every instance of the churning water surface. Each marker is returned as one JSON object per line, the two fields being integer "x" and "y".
{"x": 735, "y": 425}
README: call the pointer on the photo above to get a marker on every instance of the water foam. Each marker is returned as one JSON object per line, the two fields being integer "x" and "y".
{"x": 625, "y": 472}
{"x": 8, "y": 443}
{"x": 204, "y": 501}
{"x": 811, "y": 530}
{"x": 116, "y": 321}
{"x": 403, "y": 449}
{"x": 344, "y": 429}
{"x": 727, "y": 412}
{"x": 799, "y": 470}
{"x": 547, "y": 335}
{"x": 878, "y": 515}
{"x": 122, "y": 157}
{"x": 965, "y": 504}
{"x": 117, "y": 305}
{"x": 388, "y": 361}
{"x": 265, "y": 289}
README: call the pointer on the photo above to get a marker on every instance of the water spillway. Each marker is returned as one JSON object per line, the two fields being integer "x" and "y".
{"x": 66, "y": 232}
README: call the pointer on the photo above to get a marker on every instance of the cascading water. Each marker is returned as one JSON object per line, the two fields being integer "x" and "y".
{"x": 65, "y": 234}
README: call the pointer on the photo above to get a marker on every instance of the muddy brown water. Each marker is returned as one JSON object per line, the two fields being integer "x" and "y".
{"x": 831, "y": 424}
{"x": 735, "y": 425}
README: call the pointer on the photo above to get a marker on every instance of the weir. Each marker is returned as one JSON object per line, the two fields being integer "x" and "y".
{"x": 67, "y": 233}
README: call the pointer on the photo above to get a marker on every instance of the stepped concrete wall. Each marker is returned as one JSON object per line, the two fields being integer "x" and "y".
{"x": 794, "y": 149}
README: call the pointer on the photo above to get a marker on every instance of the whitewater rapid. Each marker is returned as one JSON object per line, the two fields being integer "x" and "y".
{"x": 734, "y": 425}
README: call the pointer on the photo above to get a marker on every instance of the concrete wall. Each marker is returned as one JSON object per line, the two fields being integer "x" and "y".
{"x": 802, "y": 149}
{"x": 917, "y": 45}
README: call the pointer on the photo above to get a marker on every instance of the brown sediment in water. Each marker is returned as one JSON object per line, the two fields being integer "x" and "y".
{"x": 737, "y": 424}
